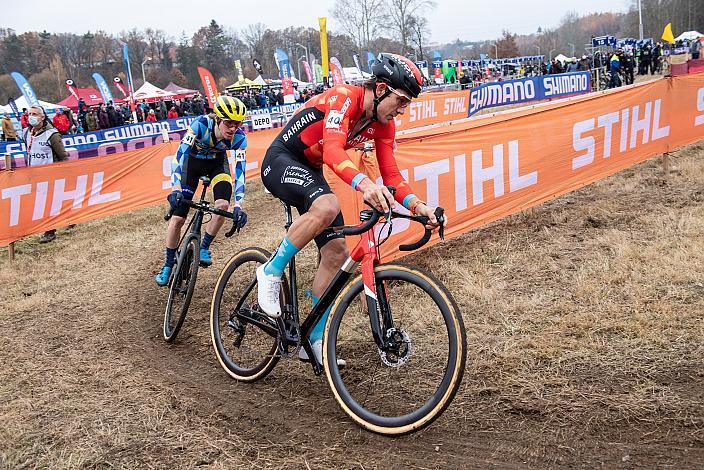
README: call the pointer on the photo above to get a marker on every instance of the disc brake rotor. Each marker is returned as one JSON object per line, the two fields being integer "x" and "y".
{"x": 398, "y": 348}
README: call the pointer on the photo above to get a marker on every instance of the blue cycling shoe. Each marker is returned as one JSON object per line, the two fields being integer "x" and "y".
{"x": 206, "y": 258}
{"x": 163, "y": 277}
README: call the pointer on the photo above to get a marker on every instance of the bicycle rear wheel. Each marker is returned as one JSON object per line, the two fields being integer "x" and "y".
{"x": 183, "y": 281}
{"x": 402, "y": 389}
{"x": 246, "y": 341}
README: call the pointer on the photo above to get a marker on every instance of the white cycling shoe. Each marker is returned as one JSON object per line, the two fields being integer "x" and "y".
{"x": 268, "y": 289}
{"x": 318, "y": 351}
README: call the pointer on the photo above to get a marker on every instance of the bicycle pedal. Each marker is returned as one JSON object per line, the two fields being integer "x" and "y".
{"x": 291, "y": 331}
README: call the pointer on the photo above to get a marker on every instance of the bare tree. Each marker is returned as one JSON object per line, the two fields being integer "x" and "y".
{"x": 418, "y": 27}
{"x": 401, "y": 13}
{"x": 253, "y": 35}
{"x": 360, "y": 19}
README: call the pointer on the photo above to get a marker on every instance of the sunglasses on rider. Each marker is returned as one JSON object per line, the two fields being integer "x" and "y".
{"x": 403, "y": 99}
{"x": 231, "y": 124}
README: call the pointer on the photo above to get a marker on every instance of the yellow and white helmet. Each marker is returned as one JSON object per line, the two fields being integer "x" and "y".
{"x": 230, "y": 108}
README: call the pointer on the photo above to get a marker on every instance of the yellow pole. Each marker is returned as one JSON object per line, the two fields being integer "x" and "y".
{"x": 324, "y": 48}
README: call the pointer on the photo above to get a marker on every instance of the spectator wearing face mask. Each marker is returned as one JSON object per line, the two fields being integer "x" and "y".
{"x": 44, "y": 146}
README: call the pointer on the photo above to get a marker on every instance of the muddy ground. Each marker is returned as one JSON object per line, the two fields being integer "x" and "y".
{"x": 585, "y": 335}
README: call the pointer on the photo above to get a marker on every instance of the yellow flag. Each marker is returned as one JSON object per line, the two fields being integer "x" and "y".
{"x": 667, "y": 34}
{"x": 324, "y": 46}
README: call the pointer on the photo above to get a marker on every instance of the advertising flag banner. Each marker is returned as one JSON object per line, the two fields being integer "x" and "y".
{"x": 257, "y": 66}
{"x": 103, "y": 87}
{"x": 309, "y": 74}
{"x": 423, "y": 67}
{"x": 11, "y": 103}
{"x": 211, "y": 89}
{"x": 238, "y": 67}
{"x": 284, "y": 66}
{"x": 128, "y": 73}
{"x": 72, "y": 88}
{"x": 318, "y": 73}
{"x": 371, "y": 58}
{"x": 355, "y": 57}
{"x": 120, "y": 86}
{"x": 26, "y": 89}
{"x": 324, "y": 46}
{"x": 338, "y": 77}
{"x": 437, "y": 67}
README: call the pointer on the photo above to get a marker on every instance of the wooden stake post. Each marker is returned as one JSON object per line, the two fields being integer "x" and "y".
{"x": 666, "y": 164}
{"x": 8, "y": 167}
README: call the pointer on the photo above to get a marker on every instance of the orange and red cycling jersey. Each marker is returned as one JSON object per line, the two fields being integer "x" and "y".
{"x": 327, "y": 125}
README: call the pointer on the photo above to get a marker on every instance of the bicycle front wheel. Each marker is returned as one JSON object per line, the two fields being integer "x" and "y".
{"x": 245, "y": 340}
{"x": 183, "y": 281}
{"x": 403, "y": 388}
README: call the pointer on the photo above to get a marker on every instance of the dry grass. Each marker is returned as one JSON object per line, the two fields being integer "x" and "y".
{"x": 585, "y": 332}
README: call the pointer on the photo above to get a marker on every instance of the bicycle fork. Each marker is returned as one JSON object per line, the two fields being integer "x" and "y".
{"x": 380, "y": 319}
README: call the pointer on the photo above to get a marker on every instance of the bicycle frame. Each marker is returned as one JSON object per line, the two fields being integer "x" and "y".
{"x": 363, "y": 253}
{"x": 196, "y": 223}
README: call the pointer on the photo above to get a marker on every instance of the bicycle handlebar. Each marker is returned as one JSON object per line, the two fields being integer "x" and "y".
{"x": 206, "y": 208}
{"x": 371, "y": 217}
{"x": 439, "y": 215}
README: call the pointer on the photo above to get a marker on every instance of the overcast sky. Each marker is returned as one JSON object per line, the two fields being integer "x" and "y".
{"x": 451, "y": 19}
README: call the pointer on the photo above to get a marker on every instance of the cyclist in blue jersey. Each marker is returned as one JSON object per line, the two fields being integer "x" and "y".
{"x": 203, "y": 152}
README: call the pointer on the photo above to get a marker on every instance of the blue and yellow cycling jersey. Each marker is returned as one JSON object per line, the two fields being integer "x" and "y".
{"x": 200, "y": 142}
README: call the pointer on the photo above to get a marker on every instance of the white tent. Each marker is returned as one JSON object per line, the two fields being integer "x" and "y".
{"x": 149, "y": 93}
{"x": 260, "y": 81}
{"x": 689, "y": 36}
{"x": 353, "y": 74}
{"x": 299, "y": 83}
{"x": 21, "y": 102}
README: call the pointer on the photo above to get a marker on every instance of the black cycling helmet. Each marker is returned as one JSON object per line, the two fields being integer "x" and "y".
{"x": 399, "y": 72}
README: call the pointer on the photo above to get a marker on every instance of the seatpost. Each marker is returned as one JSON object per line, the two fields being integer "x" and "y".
{"x": 205, "y": 186}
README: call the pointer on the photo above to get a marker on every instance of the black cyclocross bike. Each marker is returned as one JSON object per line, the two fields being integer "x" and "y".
{"x": 185, "y": 271}
{"x": 397, "y": 327}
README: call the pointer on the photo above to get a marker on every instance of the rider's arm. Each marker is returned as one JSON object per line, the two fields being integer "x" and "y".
{"x": 389, "y": 170}
{"x": 335, "y": 128}
{"x": 240, "y": 146}
{"x": 184, "y": 150}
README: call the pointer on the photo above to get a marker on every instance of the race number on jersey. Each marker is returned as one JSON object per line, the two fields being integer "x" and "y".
{"x": 334, "y": 119}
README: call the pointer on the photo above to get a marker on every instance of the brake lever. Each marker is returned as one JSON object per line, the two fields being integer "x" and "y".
{"x": 440, "y": 216}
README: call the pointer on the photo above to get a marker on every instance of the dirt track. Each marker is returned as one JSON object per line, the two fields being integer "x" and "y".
{"x": 585, "y": 333}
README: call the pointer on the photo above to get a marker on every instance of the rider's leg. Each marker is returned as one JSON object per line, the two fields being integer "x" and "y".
{"x": 173, "y": 234}
{"x": 222, "y": 192}
{"x": 319, "y": 216}
{"x": 332, "y": 256}
{"x": 213, "y": 227}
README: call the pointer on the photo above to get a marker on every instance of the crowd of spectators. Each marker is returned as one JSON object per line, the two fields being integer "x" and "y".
{"x": 254, "y": 98}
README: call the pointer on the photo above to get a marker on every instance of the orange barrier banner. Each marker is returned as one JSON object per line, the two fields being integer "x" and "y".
{"x": 481, "y": 172}
{"x": 40, "y": 198}
{"x": 434, "y": 108}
